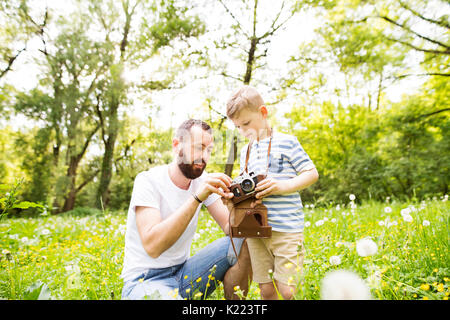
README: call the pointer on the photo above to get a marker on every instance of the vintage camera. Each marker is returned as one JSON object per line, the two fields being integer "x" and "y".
{"x": 243, "y": 186}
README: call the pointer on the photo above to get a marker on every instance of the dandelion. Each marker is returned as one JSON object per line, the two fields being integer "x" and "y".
{"x": 440, "y": 287}
{"x": 352, "y": 197}
{"x": 319, "y": 223}
{"x": 288, "y": 265}
{"x": 426, "y": 223}
{"x": 307, "y": 224}
{"x": 344, "y": 285}
{"x": 366, "y": 247}
{"x": 333, "y": 220}
{"x": 199, "y": 279}
{"x": 388, "y": 210}
{"x": 45, "y": 232}
{"x": 381, "y": 223}
{"x": 425, "y": 287}
{"x": 335, "y": 260}
{"x": 407, "y": 218}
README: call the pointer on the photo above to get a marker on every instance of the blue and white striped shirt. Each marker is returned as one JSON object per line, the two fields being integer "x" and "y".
{"x": 287, "y": 159}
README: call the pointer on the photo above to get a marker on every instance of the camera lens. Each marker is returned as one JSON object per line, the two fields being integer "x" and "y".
{"x": 247, "y": 185}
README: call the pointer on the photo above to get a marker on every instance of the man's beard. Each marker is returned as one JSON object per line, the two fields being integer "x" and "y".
{"x": 190, "y": 170}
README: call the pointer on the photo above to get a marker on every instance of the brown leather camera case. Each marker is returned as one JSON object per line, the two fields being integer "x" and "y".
{"x": 248, "y": 222}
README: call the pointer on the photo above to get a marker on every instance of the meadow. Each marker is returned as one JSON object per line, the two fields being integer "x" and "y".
{"x": 79, "y": 256}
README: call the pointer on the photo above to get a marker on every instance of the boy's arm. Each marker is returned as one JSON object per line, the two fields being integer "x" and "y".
{"x": 270, "y": 186}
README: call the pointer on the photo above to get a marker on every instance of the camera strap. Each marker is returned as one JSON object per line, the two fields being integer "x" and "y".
{"x": 246, "y": 170}
{"x": 247, "y": 156}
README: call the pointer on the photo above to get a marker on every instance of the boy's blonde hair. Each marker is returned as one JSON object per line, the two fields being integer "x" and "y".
{"x": 245, "y": 97}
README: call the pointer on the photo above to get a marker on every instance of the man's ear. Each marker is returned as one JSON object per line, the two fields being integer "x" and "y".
{"x": 175, "y": 144}
{"x": 264, "y": 111}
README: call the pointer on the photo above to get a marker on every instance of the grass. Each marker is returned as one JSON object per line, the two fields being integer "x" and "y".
{"x": 73, "y": 256}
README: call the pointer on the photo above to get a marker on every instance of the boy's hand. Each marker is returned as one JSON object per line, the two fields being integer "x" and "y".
{"x": 269, "y": 186}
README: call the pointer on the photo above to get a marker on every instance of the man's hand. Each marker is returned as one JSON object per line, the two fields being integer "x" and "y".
{"x": 215, "y": 183}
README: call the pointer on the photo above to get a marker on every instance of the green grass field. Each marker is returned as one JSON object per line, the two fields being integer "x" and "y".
{"x": 71, "y": 256}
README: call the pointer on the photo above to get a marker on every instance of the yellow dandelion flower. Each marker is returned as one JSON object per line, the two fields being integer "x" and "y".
{"x": 185, "y": 277}
{"x": 445, "y": 298}
{"x": 425, "y": 286}
{"x": 199, "y": 279}
{"x": 188, "y": 290}
{"x": 236, "y": 288}
{"x": 141, "y": 280}
{"x": 425, "y": 298}
{"x": 440, "y": 287}
{"x": 435, "y": 270}
{"x": 198, "y": 294}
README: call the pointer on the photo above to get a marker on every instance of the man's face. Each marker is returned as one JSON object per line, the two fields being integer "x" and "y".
{"x": 193, "y": 152}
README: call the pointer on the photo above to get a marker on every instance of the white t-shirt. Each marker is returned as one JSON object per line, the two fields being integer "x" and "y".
{"x": 154, "y": 188}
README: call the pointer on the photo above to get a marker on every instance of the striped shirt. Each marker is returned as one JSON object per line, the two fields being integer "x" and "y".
{"x": 287, "y": 159}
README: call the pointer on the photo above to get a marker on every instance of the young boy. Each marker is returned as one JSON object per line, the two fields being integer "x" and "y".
{"x": 289, "y": 170}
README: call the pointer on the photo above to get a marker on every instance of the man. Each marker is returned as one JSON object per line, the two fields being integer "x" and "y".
{"x": 162, "y": 220}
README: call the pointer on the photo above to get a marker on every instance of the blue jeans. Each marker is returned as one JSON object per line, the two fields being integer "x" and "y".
{"x": 199, "y": 273}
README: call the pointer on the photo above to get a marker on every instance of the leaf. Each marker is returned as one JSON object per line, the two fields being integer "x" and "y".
{"x": 26, "y": 205}
{"x": 37, "y": 291}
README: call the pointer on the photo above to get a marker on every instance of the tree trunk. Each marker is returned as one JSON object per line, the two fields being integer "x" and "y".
{"x": 102, "y": 197}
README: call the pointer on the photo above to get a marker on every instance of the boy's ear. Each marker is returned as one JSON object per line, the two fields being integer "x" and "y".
{"x": 264, "y": 111}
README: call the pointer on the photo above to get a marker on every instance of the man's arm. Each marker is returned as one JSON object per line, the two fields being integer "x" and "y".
{"x": 219, "y": 211}
{"x": 158, "y": 235}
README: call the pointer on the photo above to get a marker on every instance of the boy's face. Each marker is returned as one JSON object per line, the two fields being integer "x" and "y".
{"x": 251, "y": 123}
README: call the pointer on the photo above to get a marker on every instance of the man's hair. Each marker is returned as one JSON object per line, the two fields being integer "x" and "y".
{"x": 185, "y": 127}
{"x": 245, "y": 97}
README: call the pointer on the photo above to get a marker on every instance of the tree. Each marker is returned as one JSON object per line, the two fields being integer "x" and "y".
{"x": 142, "y": 29}
{"x": 248, "y": 45}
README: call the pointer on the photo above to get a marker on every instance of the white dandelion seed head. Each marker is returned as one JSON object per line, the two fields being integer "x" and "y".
{"x": 366, "y": 247}
{"x": 307, "y": 224}
{"x": 405, "y": 211}
{"x": 344, "y": 285}
{"x": 388, "y": 209}
{"x": 407, "y": 218}
{"x": 333, "y": 220}
{"x": 381, "y": 223}
{"x": 319, "y": 223}
{"x": 335, "y": 260}
{"x": 426, "y": 223}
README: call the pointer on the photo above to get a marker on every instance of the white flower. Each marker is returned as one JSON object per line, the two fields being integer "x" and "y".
{"x": 338, "y": 207}
{"x": 381, "y": 223}
{"x": 333, "y": 220}
{"x": 366, "y": 247}
{"x": 405, "y": 211}
{"x": 335, "y": 260}
{"x": 352, "y": 197}
{"x": 325, "y": 219}
{"x": 388, "y": 210}
{"x": 307, "y": 224}
{"x": 426, "y": 223}
{"x": 344, "y": 285}
{"x": 390, "y": 224}
{"x": 45, "y": 232}
{"x": 319, "y": 223}
{"x": 407, "y": 218}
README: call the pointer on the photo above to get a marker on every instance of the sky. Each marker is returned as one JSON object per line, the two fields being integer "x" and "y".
{"x": 174, "y": 106}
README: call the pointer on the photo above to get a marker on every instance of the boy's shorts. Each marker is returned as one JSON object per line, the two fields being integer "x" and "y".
{"x": 283, "y": 253}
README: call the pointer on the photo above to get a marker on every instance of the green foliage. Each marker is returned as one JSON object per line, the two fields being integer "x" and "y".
{"x": 79, "y": 257}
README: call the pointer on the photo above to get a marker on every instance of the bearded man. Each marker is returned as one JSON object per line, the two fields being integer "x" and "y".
{"x": 162, "y": 220}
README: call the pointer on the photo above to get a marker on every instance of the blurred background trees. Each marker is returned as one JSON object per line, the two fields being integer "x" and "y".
{"x": 364, "y": 85}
